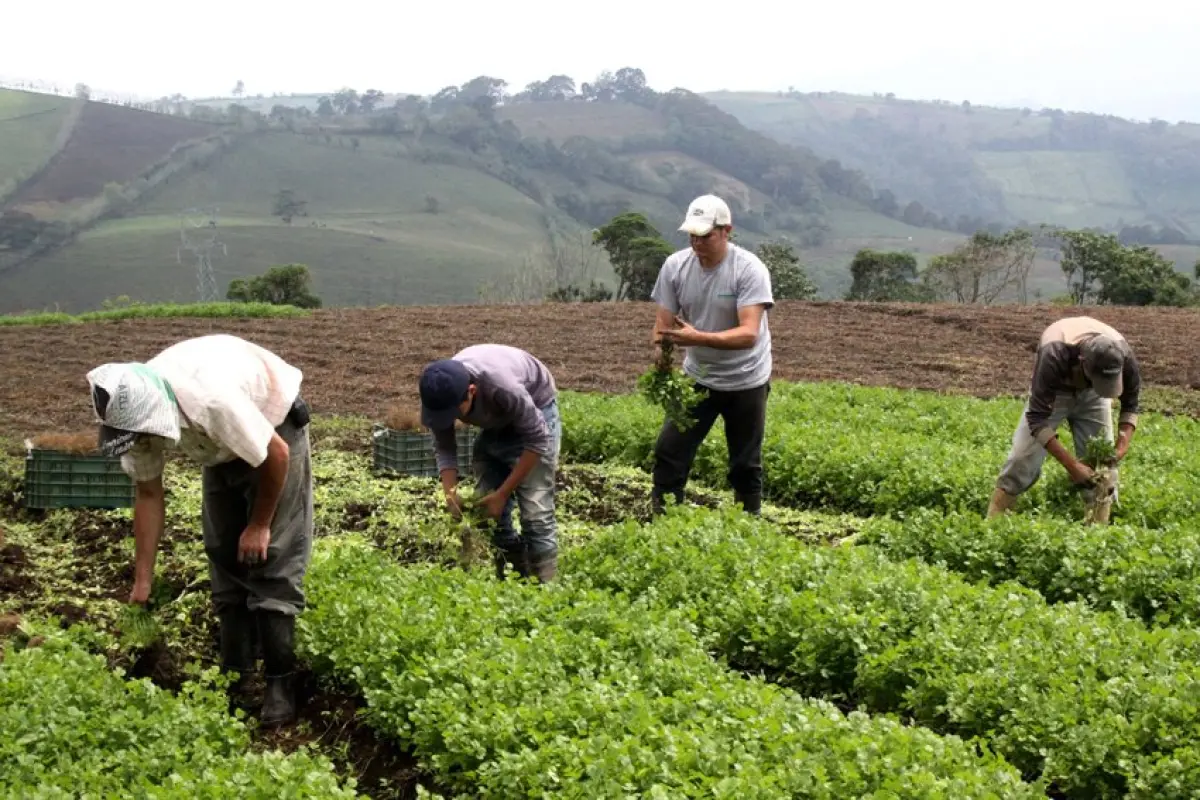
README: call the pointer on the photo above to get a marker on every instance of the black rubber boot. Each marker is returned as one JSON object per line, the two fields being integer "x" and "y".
{"x": 277, "y": 632}
{"x": 658, "y": 502}
{"x": 751, "y": 503}
{"x": 237, "y": 637}
{"x": 513, "y": 556}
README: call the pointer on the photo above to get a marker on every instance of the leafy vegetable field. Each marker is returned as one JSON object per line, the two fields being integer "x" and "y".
{"x": 870, "y": 636}
{"x": 1092, "y": 702}
{"x": 507, "y": 690}
{"x": 870, "y": 450}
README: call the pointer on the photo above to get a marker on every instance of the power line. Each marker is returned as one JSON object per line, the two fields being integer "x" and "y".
{"x": 198, "y": 236}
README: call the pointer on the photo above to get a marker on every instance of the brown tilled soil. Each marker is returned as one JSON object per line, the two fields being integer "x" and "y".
{"x": 367, "y": 360}
{"x": 109, "y": 143}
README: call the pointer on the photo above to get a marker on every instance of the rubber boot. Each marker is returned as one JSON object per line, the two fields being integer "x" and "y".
{"x": 237, "y": 640}
{"x": 1000, "y": 503}
{"x": 750, "y": 503}
{"x": 513, "y": 556}
{"x": 545, "y": 568}
{"x": 658, "y": 505}
{"x": 277, "y": 632}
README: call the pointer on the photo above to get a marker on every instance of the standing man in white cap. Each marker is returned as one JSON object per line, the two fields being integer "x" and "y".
{"x": 713, "y": 299}
{"x": 1080, "y": 366}
{"x": 236, "y": 409}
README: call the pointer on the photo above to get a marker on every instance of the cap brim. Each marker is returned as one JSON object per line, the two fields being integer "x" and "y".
{"x": 1107, "y": 385}
{"x": 115, "y": 442}
{"x": 437, "y": 420}
{"x": 696, "y": 227}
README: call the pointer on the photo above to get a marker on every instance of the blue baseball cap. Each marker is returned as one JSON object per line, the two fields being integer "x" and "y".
{"x": 443, "y": 387}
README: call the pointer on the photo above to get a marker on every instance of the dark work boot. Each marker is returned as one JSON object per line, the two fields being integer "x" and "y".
{"x": 658, "y": 497}
{"x": 751, "y": 503}
{"x": 545, "y": 566}
{"x": 512, "y": 556}
{"x": 277, "y": 632}
{"x": 237, "y": 638}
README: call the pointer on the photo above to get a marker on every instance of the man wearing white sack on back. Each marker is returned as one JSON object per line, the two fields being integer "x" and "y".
{"x": 236, "y": 409}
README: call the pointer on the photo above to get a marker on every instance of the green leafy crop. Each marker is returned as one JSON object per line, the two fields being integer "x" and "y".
{"x": 506, "y": 689}
{"x": 1092, "y": 702}
{"x": 71, "y": 727}
{"x": 668, "y": 387}
{"x": 1151, "y": 574}
{"x": 1100, "y": 452}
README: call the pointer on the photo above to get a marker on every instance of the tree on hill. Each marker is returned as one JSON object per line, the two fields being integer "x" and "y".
{"x": 983, "y": 269}
{"x": 885, "y": 277}
{"x": 636, "y": 250}
{"x": 288, "y": 205}
{"x": 370, "y": 99}
{"x": 345, "y": 100}
{"x": 788, "y": 279}
{"x": 19, "y": 229}
{"x": 287, "y": 285}
{"x": 1099, "y": 269}
{"x": 554, "y": 88}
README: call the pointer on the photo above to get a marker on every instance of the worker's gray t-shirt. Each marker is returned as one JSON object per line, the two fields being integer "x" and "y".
{"x": 709, "y": 299}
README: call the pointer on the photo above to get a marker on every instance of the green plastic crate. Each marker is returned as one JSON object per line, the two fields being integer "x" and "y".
{"x": 62, "y": 480}
{"x": 411, "y": 452}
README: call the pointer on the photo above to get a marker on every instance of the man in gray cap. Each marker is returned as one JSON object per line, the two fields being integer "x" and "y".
{"x": 1081, "y": 366}
{"x": 236, "y": 409}
{"x": 512, "y": 396}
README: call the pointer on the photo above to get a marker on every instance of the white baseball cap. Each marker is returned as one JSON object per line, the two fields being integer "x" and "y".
{"x": 131, "y": 399}
{"x": 706, "y": 212}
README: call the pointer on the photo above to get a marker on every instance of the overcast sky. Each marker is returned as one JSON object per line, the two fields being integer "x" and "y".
{"x": 1131, "y": 59}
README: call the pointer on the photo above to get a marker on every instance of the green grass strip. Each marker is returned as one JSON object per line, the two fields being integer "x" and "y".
{"x": 159, "y": 311}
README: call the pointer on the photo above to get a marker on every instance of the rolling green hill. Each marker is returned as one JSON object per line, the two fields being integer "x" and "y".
{"x": 425, "y": 203}
{"x": 476, "y": 194}
{"x": 369, "y": 235}
{"x": 33, "y": 127}
{"x": 1012, "y": 165}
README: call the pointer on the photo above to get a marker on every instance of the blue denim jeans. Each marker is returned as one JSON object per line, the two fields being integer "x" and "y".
{"x": 497, "y": 451}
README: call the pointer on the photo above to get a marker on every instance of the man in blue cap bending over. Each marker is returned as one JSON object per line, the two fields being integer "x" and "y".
{"x": 512, "y": 396}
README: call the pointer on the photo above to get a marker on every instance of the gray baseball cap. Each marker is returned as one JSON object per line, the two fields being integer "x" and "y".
{"x": 1103, "y": 361}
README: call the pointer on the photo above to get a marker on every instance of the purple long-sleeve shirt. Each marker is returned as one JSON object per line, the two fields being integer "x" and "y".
{"x": 512, "y": 387}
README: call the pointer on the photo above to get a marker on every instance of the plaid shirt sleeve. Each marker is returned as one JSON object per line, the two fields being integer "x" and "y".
{"x": 146, "y": 460}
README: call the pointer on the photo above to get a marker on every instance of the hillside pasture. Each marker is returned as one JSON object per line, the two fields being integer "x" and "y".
{"x": 671, "y": 162}
{"x": 109, "y": 144}
{"x": 1070, "y": 169}
{"x": 369, "y": 238}
{"x": 31, "y": 127}
{"x": 391, "y": 261}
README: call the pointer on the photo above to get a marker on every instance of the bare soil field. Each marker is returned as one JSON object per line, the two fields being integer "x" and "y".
{"x": 365, "y": 360}
{"x": 109, "y": 143}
